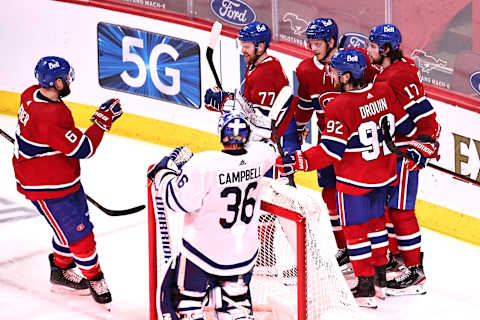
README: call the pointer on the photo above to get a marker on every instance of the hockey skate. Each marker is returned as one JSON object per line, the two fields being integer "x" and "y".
{"x": 364, "y": 293}
{"x": 100, "y": 291}
{"x": 380, "y": 282}
{"x": 344, "y": 262}
{"x": 410, "y": 282}
{"x": 67, "y": 280}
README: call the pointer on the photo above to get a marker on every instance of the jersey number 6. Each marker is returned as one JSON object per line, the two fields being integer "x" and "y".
{"x": 235, "y": 208}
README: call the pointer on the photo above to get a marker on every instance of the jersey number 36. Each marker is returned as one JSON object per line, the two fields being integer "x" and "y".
{"x": 243, "y": 205}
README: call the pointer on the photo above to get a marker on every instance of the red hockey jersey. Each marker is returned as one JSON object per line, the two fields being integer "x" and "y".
{"x": 315, "y": 82}
{"x": 262, "y": 85}
{"x": 403, "y": 77}
{"x": 353, "y": 141}
{"x": 48, "y": 147}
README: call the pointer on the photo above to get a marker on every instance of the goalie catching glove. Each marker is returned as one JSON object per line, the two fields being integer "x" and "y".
{"x": 215, "y": 99}
{"x": 420, "y": 152}
{"x": 107, "y": 113}
{"x": 173, "y": 162}
{"x": 291, "y": 162}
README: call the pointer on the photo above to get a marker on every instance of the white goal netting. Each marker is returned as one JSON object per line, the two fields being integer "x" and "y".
{"x": 296, "y": 275}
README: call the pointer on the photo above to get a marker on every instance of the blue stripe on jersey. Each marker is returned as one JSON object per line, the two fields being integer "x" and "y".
{"x": 366, "y": 186}
{"x": 61, "y": 248}
{"x": 383, "y": 238}
{"x": 84, "y": 150}
{"x": 409, "y": 242}
{"x": 87, "y": 263}
{"x": 170, "y": 194}
{"x": 355, "y": 253}
{"x": 334, "y": 146}
{"x": 305, "y": 105}
{"x": 213, "y": 264}
{"x": 420, "y": 109}
{"x": 405, "y": 126}
{"x": 30, "y": 150}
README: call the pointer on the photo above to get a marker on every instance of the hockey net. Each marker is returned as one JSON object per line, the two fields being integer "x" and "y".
{"x": 296, "y": 275}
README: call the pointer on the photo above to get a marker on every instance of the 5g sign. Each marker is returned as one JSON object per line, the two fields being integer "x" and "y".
{"x": 149, "y": 64}
{"x": 139, "y": 81}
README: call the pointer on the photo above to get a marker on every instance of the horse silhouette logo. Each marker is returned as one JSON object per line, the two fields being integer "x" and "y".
{"x": 297, "y": 25}
{"x": 427, "y": 63}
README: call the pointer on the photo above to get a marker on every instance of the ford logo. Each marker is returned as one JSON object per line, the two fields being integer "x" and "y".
{"x": 475, "y": 81}
{"x": 233, "y": 11}
{"x": 353, "y": 39}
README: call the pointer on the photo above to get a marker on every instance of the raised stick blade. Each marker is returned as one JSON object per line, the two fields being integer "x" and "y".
{"x": 214, "y": 34}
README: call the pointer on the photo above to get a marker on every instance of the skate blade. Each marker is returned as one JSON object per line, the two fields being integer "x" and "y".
{"x": 66, "y": 290}
{"x": 418, "y": 289}
{"x": 367, "y": 302}
{"x": 380, "y": 292}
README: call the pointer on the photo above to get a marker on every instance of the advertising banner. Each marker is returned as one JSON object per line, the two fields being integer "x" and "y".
{"x": 149, "y": 64}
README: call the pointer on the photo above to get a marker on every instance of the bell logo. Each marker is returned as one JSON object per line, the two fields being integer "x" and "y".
{"x": 261, "y": 27}
{"x": 53, "y": 65}
{"x": 388, "y": 29}
{"x": 327, "y": 23}
{"x": 352, "y": 58}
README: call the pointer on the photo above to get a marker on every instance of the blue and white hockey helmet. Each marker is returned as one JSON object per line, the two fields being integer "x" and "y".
{"x": 256, "y": 32}
{"x": 49, "y": 69}
{"x": 233, "y": 127}
{"x": 349, "y": 60}
{"x": 386, "y": 33}
{"x": 323, "y": 28}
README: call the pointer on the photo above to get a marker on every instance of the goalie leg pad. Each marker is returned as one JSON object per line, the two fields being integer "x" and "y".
{"x": 408, "y": 235}
{"x": 184, "y": 290}
{"x": 236, "y": 302}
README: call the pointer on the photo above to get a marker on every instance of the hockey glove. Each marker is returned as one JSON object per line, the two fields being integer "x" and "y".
{"x": 107, "y": 113}
{"x": 420, "y": 152}
{"x": 215, "y": 99}
{"x": 291, "y": 162}
{"x": 174, "y": 161}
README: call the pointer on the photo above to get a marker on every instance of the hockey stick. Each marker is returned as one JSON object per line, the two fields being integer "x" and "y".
{"x": 214, "y": 34}
{"x": 277, "y": 106}
{"x": 113, "y": 213}
{"x": 393, "y": 148}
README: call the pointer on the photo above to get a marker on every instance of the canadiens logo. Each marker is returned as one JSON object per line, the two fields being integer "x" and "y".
{"x": 475, "y": 81}
{"x": 80, "y": 227}
{"x": 326, "y": 97}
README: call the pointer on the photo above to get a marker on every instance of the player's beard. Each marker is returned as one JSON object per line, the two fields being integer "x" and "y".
{"x": 65, "y": 91}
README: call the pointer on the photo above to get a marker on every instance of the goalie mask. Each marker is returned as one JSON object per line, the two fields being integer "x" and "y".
{"x": 233, "y": 127}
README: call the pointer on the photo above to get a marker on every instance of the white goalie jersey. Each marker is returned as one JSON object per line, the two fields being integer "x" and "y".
{"x": 219, "y": 194}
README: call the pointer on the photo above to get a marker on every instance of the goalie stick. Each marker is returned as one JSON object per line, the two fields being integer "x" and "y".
{"x": 393, "y": 148}
{"x": 113, "y": 213}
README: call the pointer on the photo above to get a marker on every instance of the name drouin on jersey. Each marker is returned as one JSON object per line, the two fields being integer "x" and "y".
{"x": 373, "y": 108}
{"x": 239, "y": 176}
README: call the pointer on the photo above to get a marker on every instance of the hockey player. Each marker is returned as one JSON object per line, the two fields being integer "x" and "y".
{"x": 219, "y": 194}
{"x": 352, "y": 141}
{"x": 402, "y": 76}
{"x": 315, "y": 90}
{"x": 265, "y": 82}
{"x": 47, "y": 151}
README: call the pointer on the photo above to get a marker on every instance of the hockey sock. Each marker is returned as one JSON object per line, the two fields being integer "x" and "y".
{"x": 328, "y": 195}
{"x": 359, "y": 249}
{"x": 408, "y": 235}
{"x": 379, "y": 240}
{"x": 392, "y": 237}
{"x": 85, "y": 256}
{"x": 62, "y": 257}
